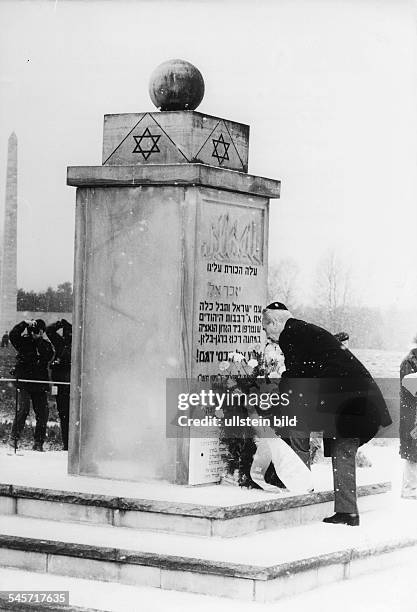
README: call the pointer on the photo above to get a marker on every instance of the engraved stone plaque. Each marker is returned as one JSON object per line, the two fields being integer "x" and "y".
{"x": 230, "y": 286}
{"x": 230, "y": 283}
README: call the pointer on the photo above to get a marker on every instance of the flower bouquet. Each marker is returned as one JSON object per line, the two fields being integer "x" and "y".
{"x": 239, "y": 374}
{"x": 255, "y": 456}
{"x": 267, "y": 364}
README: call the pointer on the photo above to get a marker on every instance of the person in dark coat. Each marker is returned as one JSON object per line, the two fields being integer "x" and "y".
{"x": 5, "y": 340}
{"x": 61, "y": 370}
{"x": 34, "y": 353}
{"x": 330, "y": 390}
{"x": 408, "y": 422}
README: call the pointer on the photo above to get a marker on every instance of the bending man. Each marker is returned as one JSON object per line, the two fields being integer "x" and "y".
{"x": 330, "y": 389}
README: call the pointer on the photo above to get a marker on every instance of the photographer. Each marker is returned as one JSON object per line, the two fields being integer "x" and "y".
{"x": 61, "y": 370}
{"x": 33, "y": 355}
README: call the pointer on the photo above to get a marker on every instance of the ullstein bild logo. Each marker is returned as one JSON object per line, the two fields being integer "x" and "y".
{"x": 237, "y": 421}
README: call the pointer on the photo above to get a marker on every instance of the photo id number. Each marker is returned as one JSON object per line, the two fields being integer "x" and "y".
{"x": 36, "y": 597}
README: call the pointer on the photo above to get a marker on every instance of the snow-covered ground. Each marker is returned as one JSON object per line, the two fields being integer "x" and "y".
{"x": 381, "y": 364}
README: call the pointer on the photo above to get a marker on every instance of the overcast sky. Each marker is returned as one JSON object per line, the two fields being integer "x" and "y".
{"x": 327, "y": 86}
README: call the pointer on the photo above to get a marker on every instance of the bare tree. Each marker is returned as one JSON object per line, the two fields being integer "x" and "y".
{"x": 333, "y": 291}
{"x": 283, "y": 282}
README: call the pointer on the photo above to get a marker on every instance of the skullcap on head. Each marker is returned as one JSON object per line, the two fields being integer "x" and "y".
{"x": 276, "y": 306}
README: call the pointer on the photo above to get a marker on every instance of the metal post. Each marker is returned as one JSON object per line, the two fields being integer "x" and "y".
{"x": 15, "y": 413}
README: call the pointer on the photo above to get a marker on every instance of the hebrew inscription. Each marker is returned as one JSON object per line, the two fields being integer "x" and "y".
{"x": 231, "y": 285}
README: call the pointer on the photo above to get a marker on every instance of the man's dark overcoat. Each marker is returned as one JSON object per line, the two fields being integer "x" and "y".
{"x": 61, "y": 366}
{"x": 328, "y": 386}
{"x": 33, "y": 356}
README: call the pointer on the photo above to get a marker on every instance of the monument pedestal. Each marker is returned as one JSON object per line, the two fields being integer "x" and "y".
{"x": 170, "y": 273}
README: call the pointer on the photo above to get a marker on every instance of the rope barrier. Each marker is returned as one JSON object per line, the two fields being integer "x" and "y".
{"x": 43, "y": 382}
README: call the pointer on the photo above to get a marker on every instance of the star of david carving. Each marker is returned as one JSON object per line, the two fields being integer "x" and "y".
{"x": 150, "y": 141}
{"x": 221, "y": 147}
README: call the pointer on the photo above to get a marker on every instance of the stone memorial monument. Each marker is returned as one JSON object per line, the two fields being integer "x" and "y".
{"x": 8, "y": 266}
{"x": 170, "y": 275}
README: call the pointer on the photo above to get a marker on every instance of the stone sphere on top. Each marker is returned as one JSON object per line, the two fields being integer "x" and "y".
{"x": 176, "y": 85}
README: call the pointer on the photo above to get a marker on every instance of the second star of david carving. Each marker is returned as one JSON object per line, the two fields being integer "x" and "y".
{"x": 221, "y": 147}
{"x": 150, "y": 141}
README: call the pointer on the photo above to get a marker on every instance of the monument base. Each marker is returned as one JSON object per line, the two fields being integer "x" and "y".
{"x": 266, "y": 546}
{"x": 36, "y": 486}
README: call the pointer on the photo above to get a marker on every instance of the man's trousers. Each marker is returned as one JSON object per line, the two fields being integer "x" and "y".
{"x": 343, "y": 452}
{"x": 40, "y": 408}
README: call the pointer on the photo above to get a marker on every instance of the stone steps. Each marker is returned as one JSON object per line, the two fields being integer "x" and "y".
{"x": 384, "y": 590}
{"x": 190, "y": 518}
{"x": 262, "y": 566}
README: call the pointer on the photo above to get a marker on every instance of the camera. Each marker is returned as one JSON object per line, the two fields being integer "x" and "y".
{"x": 33, "y": 328}
{"x": 36, "y": 326}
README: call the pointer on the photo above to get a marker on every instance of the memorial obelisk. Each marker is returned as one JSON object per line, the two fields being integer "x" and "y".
{"x": 8, "y": 271}
{"x": 171, "y": 251}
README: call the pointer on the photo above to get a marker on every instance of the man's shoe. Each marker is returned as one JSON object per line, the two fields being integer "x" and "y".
{"x": 38, "y": 447}
{"x": 343, "y": 518}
